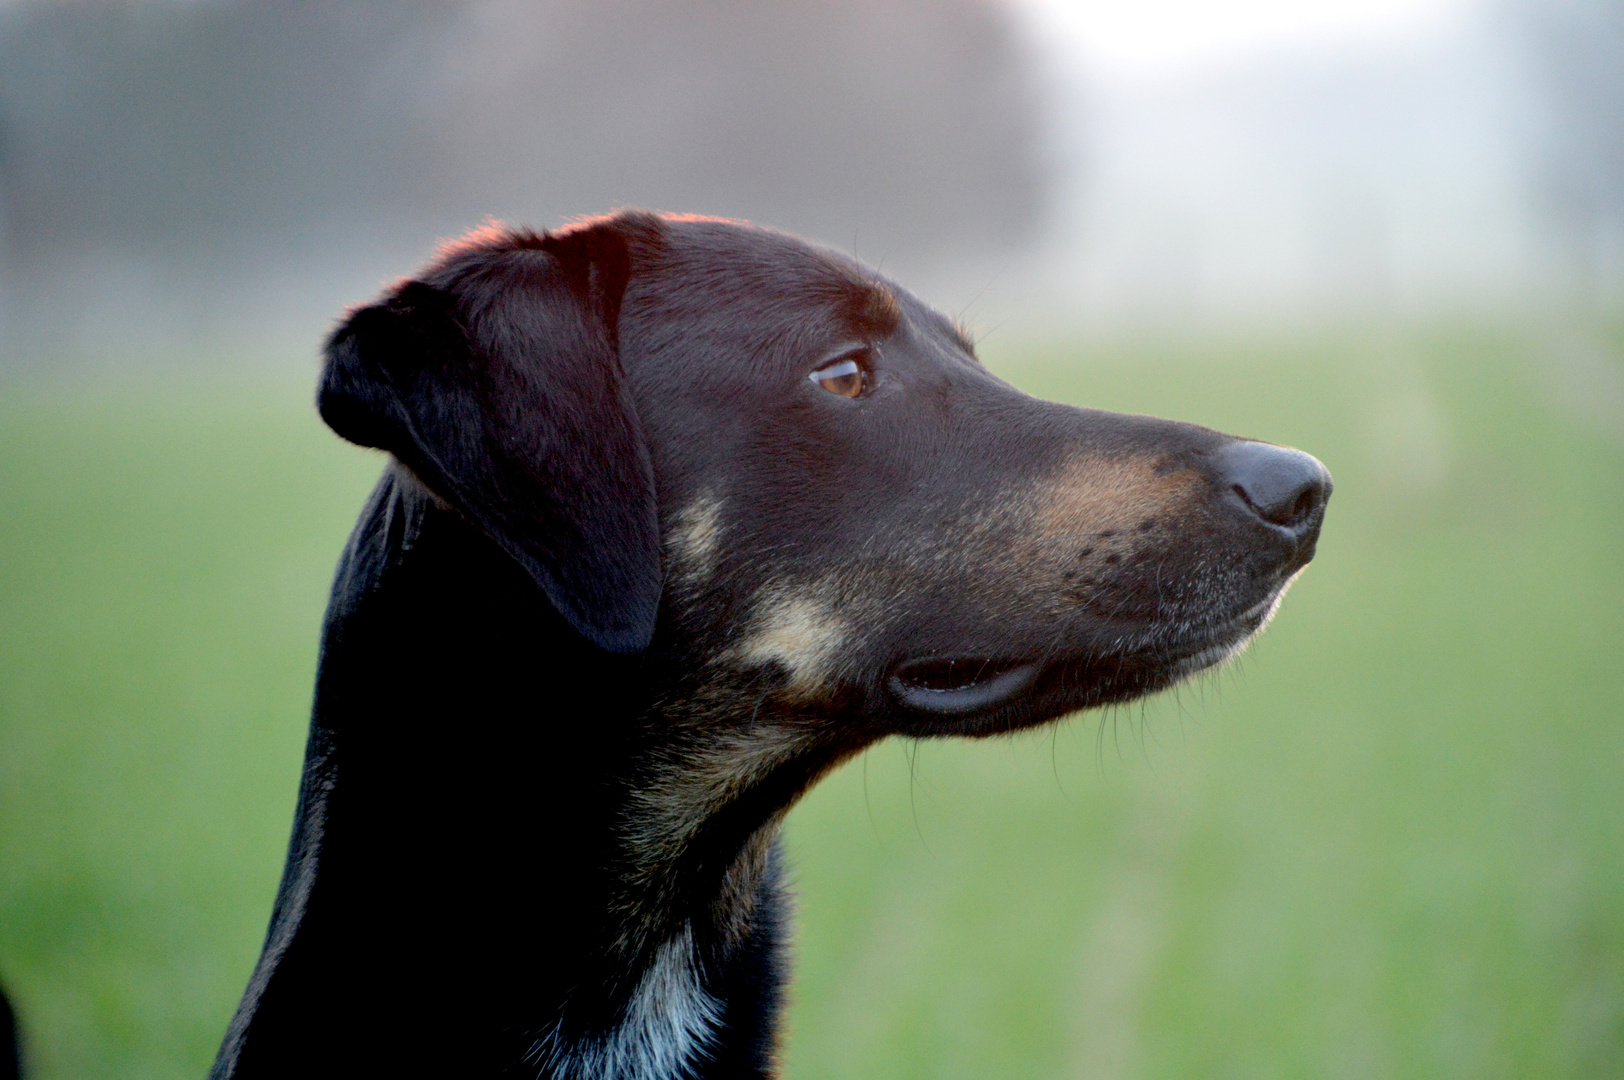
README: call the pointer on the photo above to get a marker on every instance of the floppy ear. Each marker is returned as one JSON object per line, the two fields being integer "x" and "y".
{"x": 496, "y": 378}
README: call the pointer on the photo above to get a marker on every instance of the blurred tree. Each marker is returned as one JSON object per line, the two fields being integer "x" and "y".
{"x": 172, "y": 124}
{"x": 182, "y": 128}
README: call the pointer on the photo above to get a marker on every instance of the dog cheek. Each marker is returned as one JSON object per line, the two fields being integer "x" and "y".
{"x": 802, "y": 635}
{"x": 693, "y": 542}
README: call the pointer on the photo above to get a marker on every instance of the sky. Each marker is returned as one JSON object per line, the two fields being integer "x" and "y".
{"x": 1249, "y": 156}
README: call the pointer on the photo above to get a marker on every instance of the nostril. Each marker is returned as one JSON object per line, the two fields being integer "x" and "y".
{"x": 1306, "y": 504}
{"x": 1282, "y": 486}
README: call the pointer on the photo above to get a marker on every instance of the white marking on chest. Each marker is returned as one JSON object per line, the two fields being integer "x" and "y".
{"x": 669, "y": 1024}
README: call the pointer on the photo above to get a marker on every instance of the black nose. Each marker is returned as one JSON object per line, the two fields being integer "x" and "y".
{"x": 1282, "y": 486}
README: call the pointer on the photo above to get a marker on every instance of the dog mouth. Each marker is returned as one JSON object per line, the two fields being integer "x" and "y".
{"x": 1016, "y": 692}
{"x": 960, "y": 686}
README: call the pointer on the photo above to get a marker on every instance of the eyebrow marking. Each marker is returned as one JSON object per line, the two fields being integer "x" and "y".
{"x": 873, "y": 309}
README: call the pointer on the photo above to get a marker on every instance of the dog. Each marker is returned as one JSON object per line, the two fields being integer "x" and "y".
{"x": 681, "y": 514}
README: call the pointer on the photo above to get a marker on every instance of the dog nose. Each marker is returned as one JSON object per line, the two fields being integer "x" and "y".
{"x": 1284, "y": 487}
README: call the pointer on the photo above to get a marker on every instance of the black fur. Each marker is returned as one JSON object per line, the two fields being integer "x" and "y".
{"x": 11, "y": 1050}
{"x": 543, "y": 749}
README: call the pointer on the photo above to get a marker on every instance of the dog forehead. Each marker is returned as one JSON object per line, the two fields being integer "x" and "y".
{"x": 728, "y": 279}
{"x": 750, "y": 250}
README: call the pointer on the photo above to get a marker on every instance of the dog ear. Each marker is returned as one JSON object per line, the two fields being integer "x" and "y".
{"x": 496, "y": 378}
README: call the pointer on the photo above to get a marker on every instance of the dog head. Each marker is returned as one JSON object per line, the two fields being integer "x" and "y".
{"x": 756, "y": 460}
{"x": 791, "y": 499}
{"x": 787, "y": 490}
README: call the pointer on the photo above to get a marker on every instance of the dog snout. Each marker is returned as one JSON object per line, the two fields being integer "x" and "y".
{"x": 1285, "y": 488}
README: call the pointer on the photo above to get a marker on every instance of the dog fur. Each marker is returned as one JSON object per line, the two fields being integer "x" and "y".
{"x": 635, "y": 578}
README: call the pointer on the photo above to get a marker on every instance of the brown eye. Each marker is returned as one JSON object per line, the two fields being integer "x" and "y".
{"x": 844, "y": 377}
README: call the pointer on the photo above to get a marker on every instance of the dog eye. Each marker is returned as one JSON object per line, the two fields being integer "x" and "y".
{"x": 845, "y": 377}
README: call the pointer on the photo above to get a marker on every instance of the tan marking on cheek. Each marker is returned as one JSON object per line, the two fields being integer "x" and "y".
{"x": 1093, "y": 495}
{"x": 800, "y": 633}
{"x": 695, "y": 539}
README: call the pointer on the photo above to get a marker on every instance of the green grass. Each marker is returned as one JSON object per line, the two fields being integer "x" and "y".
{"x": 1388, "y": 843}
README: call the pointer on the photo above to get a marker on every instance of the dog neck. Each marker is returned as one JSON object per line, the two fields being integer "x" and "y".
{"x": 496, "y": 866}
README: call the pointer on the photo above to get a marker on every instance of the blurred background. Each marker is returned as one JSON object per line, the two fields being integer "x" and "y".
{"x": 1389, "y": 842}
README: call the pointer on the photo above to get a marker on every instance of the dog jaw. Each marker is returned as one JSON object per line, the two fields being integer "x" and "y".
{"x": 1263, "y": 612}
